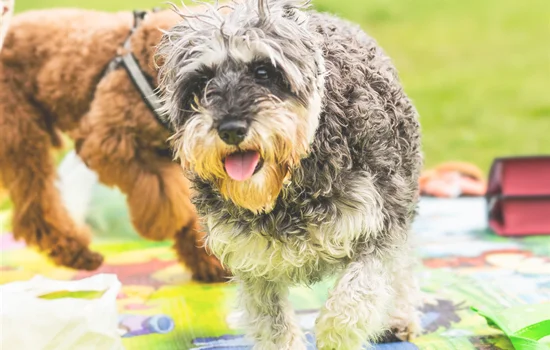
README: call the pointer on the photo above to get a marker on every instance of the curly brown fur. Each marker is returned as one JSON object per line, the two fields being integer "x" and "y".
{"x": 51, "y": 81}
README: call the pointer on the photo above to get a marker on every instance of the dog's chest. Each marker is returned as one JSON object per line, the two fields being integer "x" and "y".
{"x": 299, "y": 259}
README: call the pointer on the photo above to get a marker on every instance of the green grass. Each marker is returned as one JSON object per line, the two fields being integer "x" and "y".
{"x": 477, "y": 70}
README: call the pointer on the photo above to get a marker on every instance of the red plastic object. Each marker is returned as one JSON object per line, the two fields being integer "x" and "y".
{"x": 518, "y": 196}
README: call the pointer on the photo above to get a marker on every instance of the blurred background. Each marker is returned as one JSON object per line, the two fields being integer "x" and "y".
{"x": 478, "y": 71}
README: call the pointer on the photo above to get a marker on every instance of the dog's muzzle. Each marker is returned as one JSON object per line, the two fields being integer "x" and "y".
{"x": 232, "y": 131}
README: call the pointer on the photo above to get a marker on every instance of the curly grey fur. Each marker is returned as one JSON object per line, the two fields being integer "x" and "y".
{"x": 350, "y": 201}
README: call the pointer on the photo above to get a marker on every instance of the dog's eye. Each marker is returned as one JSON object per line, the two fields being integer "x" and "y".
{"x": 262, "y": 73}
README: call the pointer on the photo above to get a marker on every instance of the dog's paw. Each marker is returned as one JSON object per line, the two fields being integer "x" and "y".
{"x": 292, "y": 344}
{"x": 406, "y": 330}
{"x": 336, "y": 341}
{"x": 70, "y": 252}
{"x": 87, "y": 260}
{"x": 332, "y": 334}
{"x": 210, "y": 270}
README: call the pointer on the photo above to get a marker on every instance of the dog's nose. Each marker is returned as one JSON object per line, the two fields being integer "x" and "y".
{"x": 233, "y": 132}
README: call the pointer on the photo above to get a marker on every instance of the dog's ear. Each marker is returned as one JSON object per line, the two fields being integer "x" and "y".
{"x": 148, "y": 35}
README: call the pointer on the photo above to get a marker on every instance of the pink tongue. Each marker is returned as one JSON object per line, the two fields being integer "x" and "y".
{"x": 240, "y": 166}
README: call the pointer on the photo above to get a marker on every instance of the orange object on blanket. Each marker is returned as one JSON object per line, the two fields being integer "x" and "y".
{"x": 453, "y": 179}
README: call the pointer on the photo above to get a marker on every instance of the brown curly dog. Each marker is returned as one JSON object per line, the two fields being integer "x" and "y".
{"x": 51, "y": 81}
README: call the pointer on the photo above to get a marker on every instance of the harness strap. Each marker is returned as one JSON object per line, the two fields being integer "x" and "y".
{"x": 138, "y": 78}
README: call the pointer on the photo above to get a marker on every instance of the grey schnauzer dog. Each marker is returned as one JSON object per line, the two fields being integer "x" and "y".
{"x": 305, "y": 154}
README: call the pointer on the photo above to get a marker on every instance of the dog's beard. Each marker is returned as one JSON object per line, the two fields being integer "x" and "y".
{"x": 279, "y": 133}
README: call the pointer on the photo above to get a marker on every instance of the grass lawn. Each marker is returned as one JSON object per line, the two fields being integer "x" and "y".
{"x": 478, "y": 70}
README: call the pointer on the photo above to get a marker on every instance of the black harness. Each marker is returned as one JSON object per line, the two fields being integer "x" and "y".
{"x": 131, "y": 65}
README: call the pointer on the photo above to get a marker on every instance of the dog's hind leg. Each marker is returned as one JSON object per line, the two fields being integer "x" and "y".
{"x": 27, "y": 170}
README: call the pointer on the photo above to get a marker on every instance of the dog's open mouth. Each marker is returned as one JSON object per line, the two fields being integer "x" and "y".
{"x": 241, "y": 166}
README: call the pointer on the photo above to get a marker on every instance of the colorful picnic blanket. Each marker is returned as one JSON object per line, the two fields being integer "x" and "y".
{"x": 464, "y": 265}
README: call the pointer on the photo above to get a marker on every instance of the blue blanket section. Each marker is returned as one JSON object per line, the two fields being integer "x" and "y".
{"x": 238, "y": 342}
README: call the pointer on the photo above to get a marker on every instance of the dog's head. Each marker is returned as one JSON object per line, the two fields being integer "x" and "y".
{"x": 242, "y": 88}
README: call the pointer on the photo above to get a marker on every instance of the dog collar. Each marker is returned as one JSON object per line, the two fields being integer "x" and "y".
{"x": 138, "y": 78}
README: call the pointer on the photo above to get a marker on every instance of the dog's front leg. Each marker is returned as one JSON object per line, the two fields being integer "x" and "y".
{"x": 268, "y": 316}
{"x": 405, "y": 315}
{"x": 357, "y": 309}
{"x": 157, "y": 192}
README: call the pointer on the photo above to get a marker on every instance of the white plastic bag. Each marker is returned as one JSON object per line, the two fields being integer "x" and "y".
{"x": 67, "y": 323}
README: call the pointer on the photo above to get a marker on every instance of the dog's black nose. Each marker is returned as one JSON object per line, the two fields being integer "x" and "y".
{"x": 233, "y": 132}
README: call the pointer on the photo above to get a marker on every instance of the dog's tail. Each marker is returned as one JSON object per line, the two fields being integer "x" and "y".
{"x": 6, "y": 11}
